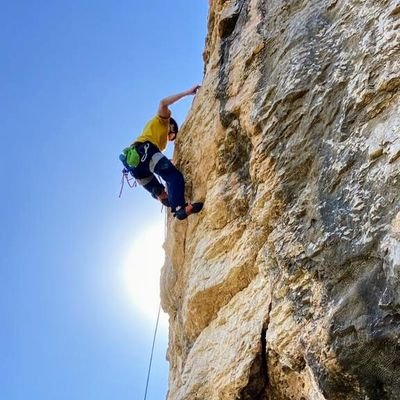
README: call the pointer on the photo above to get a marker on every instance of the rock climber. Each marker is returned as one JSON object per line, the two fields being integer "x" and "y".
{"x": 144, "y": 158}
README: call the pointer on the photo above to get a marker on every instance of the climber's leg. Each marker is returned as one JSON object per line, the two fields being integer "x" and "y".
{"x": 172, "y": 177}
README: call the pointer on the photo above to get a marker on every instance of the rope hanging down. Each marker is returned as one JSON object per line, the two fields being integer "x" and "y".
{"x": 125, "y": 176}
{"x": 152, "y": 351}
{"x": 158, "y": 315}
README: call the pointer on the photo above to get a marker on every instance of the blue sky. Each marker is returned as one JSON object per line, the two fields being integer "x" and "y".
{"x": 79, "y": 79}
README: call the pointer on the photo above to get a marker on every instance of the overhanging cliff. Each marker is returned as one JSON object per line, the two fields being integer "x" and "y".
{"x": 286, "y": 285}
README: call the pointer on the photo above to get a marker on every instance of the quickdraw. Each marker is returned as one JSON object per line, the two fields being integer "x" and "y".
{"x": 146, "y": 147}
{"x": 128, "y": 179}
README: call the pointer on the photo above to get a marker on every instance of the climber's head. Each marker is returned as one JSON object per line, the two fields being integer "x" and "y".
{"x": 173, "y": 130}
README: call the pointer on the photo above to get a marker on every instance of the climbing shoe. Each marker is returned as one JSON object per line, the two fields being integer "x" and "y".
{"x": 184, "y": 212}
{"x": 162, "y": 196}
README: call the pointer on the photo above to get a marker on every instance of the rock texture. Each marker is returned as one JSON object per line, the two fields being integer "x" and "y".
{"x": 287, "y": 286}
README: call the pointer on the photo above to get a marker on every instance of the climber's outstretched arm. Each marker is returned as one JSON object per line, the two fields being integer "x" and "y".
{"x": 164, "y": 111}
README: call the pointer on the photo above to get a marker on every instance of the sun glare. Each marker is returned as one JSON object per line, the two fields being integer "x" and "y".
{"x": 141, "y": 272}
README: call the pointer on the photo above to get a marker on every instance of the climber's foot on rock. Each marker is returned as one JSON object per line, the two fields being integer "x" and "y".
{"x": 191, "y": 208}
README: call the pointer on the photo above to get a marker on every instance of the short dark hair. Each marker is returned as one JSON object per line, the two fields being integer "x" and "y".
{"x": 174, "y": 124}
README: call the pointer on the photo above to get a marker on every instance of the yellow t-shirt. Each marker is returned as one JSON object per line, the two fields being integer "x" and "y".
{"x": 156, "y": 132}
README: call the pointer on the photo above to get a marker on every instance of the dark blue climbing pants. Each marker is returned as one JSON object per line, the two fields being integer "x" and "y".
{"x": 152, "y": 161}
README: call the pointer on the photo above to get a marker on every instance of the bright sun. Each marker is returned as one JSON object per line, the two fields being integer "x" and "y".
{"x": 141, "y": 272}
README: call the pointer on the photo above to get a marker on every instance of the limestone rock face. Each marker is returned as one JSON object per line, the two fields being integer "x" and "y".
{"x": 287, "y": 284}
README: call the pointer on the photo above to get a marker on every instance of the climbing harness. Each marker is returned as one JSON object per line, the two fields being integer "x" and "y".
{"x": 130, "y": 158}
